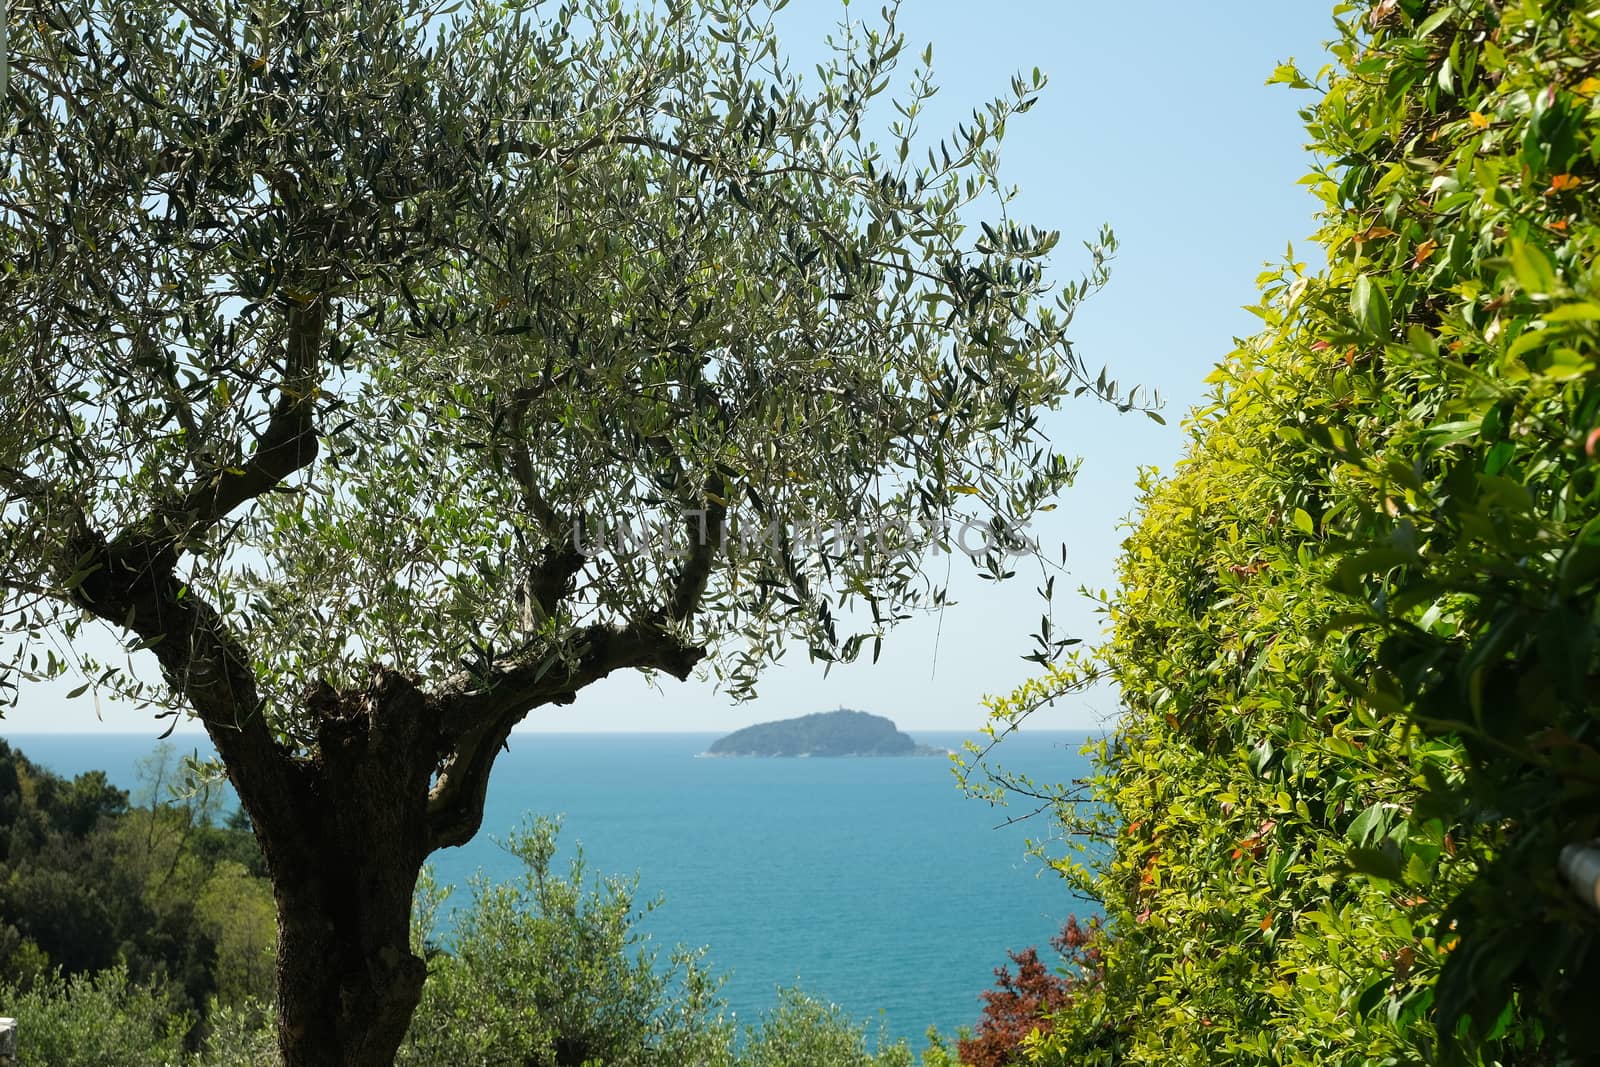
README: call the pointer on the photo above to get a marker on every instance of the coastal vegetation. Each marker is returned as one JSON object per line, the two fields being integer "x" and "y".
{"x": 160, "y": 890}
{"x": 549, "y": 969}
{"x": 1355, "y": 628}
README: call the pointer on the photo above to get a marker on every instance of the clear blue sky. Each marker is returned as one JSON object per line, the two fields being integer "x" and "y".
{"x": 1156, "y": 121}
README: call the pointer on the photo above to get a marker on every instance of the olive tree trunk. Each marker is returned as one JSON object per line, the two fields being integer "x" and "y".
{"x": 347, "y": 980}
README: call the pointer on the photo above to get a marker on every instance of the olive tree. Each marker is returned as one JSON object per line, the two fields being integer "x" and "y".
{"x": 384, "y": 371}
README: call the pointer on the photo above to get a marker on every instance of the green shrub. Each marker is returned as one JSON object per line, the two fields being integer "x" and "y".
{"x": 546, "y": 971}
{"x": 102, "y": 1020}
{"x": 804, "y": 1032}
{"x": 241, "y": 1034}
{"x": 1355, "y": 634}
{"x": 552, "y": 971}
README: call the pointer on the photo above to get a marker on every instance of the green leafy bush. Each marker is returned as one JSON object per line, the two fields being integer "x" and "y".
{"x": 1355, "y": 633}
{"x": 240, "y": 1035}
{"x": 804, "y": 1032}
{"x": 547, "y": 971}
{"x": 104, "y": 1020}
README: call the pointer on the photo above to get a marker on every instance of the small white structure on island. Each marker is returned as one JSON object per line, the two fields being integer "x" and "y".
{"x": 8, "y": 1043}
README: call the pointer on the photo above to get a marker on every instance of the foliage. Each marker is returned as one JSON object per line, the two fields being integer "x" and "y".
{"x": 409, "y": 298}
{"x": 1025, "y": 1003}
{"x": 547, "y": 971}
{"x": 96, "y": 1021}
{"x": 92, "y": 883}
{"x": 938, "y": 1052}
{"x": 242, "y": 1035}
{"x": 799, "y": 1032}
{"x": 805, "y": 1032}
{"x": 60, "y": 899}
{"x": 234, "y": 910}
{"x": 1355, "y": 631}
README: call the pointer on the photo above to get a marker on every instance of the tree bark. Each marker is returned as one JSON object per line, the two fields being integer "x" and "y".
{"x": 347, "y": 980}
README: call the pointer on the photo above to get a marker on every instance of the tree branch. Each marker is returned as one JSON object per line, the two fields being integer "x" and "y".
{"x": 132, "y": 584}
{"x": 522, "y": 462}
{"x": 704, "y": 529}
{"x": 289, "y": 442}
{"x": 478, "y": 718}
{"x": 517, "y": 146}
{"x": 20, "y": 485}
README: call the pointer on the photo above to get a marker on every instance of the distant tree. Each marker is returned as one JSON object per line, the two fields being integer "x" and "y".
{"x": 1023, "y": 1003}
{"x": 64, "y": 899}
{"x": 235, "y": 911}
{"x": 35, "y": 803}
{"x": 91, "y": 883}
{"x": 88, "y": 799}
{"x": 338, "y": 343}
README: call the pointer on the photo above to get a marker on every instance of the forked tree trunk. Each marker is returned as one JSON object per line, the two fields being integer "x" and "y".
{"x": 392, "y": 773}
{"x": 344, "y": 875}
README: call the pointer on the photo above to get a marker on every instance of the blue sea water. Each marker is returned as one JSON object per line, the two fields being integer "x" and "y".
{"x": 871, "y": 883}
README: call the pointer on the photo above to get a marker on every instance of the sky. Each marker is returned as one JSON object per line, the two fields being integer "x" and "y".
{"x": 1157, "y": 122}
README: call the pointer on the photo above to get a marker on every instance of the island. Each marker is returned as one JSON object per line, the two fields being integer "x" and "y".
{"x": 824, "y": 733}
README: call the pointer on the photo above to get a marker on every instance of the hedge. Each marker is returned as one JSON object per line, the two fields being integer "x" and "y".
{"x": 1355, "y": 631}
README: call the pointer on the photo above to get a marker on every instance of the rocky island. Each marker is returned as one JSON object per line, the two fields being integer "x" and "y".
{"x": 825, "y": 733}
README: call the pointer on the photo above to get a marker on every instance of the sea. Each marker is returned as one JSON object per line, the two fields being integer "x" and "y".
{"x": 870, "y": 883}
